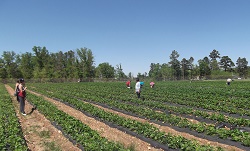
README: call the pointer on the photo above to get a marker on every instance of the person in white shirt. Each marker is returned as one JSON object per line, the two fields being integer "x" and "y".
{"x": 138, "y": 87}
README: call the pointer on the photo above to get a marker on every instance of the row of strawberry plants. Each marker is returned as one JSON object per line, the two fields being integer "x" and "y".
{"x": 234, "y": 135}
{"x": 200, "y": 101}
{"x": 213, "y": 95}
{"x": 11, "y": 135}
{"x": 181, "y": 110}
{"x": 217, "y": 117}
{"x": 184, "y": 94}
{"x": 144, "y": 129}
{"x": 199, "y": 96}
{"x": 238, "y": 88}
{"x": 73, "y": 128}
{"x": 114, "y": 95}
{"x": 193, "y": 103}
{"x": 160, "y": 105}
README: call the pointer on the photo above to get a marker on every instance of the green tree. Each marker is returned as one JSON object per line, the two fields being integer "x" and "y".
{"x": 27, "y": 65}
{"x": 175, "y": 64}
{"x": 191, "y": 66}
{"x": 226, "y": 63}
{"x": 196, "y": 71}
{"x": 242, "y": 67}
{"x": 10, "y": 65}
{"x": 86, "y": 62}
{"x": 41, "y": 60}
{"x": 185, "y": 67}
{"x": 41, "y": 56}
{"x": 119, "y": 73}
{"x": 206, "y": 60}
{"x": 141, "y": 76}
{"x": 155, "y": 71}
{"x": 79, "y": 69}
{"x": 3, "y": 72}
{"x": 71, "y": 65}
{"x": 204, "y": 67}
{"x": 48, "y": 69}
{"x": 130, "y": 75}
{"x": 105, "y": 70}
{"x": 214, "y": 55}
{"x": 166, "y": 71}
{"x": 59, "y": 65}
{"x": 214, "y": 63}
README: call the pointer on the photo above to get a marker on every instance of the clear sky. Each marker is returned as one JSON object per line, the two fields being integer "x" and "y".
{"x": 133, "y": 33}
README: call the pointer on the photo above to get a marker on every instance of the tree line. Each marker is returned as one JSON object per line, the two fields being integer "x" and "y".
{"x": 79, "y": 64}
{"x": 212, "y": 67}
{"x": 41, "y": 64}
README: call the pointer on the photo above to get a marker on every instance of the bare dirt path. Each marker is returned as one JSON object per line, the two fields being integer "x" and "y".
{"x": 39, "y": 134}
{"x": 104, "y": 130}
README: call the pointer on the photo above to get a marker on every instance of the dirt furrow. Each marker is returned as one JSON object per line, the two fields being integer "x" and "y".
{"x": 39, "y": 134}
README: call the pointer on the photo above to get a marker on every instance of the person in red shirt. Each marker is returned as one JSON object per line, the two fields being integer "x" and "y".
{"x": 22, "y": 95}
{"x": 128, "y": 84}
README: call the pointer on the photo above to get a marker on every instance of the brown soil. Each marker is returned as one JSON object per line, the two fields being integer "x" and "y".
{"x": 38, "y": 131}
{"x": 110, "y": 133}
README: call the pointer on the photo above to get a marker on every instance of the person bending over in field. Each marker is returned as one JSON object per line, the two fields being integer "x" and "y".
{"x": 229, "y": 81}
{"x": 138, "y": 88}
{"x": 128, "y": 83}
{"x": 152, "y": 84}
{"x": 22, "y": 95}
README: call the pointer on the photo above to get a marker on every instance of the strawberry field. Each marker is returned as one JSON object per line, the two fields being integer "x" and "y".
{"x": 210, "y": 110}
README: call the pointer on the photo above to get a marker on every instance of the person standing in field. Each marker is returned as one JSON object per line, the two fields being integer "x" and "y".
{"x": 138, "y": 88}
{"x": 16, "y": 90}
{"x": 229, "y": 81}
{"x": 128, "y": 83}
{"x": 22, "y": 95}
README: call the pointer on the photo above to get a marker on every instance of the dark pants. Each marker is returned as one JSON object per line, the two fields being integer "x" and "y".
{"x": 138, "y": 94}
{"x": 22, "y": 104}
{"x": 228, "y": 83}
{"x": 17, "y": 98}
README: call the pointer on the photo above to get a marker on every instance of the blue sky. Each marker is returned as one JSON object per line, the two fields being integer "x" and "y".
{"x": 133, "y": 33}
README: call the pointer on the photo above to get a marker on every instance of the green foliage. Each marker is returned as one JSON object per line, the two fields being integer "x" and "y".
{"x": 86, "y": 62}
{"x": 226, "y": 63}
{"x": 190, "y": 97}
{"x": 11, "y": 135}
{"x": 175, "y": 64}
{"x": 105, "y": 70}
{"x": 204, "y": 68}
{"x": 74, "y": 128}
{"x": 242, "y": 68}
{"x": 80, "y": 64}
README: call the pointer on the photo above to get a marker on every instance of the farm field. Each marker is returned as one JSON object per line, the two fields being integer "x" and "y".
{"x": 201, "y": 115}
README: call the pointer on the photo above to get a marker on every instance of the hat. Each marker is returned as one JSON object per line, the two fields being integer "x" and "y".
{"x": 21, "y": 80}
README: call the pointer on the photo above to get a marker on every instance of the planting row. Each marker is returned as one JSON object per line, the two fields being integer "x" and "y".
{"x": 235, "y": 135}
{"x": 11, "y": 135}
{"x": 138, "y": 129}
